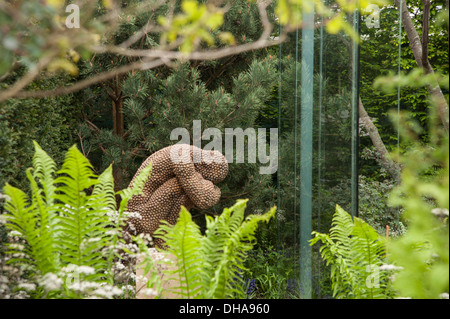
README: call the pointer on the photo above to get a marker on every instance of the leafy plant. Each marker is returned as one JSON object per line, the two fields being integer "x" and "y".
{"x": 271, "y": 284}
{"x": 211, "y": 265}
{"x": 69, "y": 230}
{"x": 423, "y": 251}
{"x": 355, "y": 252}
{"x": 374, "y": 207}
{"x": 267, "y": 272}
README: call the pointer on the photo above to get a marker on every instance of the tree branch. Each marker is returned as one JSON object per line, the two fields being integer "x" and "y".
{"x": 150, "y": 58}
{"x": 153, "y": 58}
{"x": 385, "y": 161}
{"x": 92, "y": 126}
{"x": 423, "y": 62}
{"x": 142, "y": 65}
{"x": 425, "y": 30}
{"x": 14, "y": 90}
{"x": 197, "y": 55}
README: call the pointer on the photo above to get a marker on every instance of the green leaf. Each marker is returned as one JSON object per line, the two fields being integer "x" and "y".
{"x": 351, "y": 248}
{"x": 189, "y": 6}
{"x": 208, "y": 265}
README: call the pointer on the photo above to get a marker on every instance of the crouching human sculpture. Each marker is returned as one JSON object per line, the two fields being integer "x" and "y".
{"x": 181, "y": 175}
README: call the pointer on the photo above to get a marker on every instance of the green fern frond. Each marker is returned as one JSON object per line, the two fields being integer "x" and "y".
{"x": 353, "y": 249}
{"x": 21, "y": 220}
{"x": 82, "y": 216}
{"x": 210, "y": 266}
{"x": 75, "y": 177}
{"x": 137, "y": 187}
{"x": 220, "y": 248}
{"x": 183, "y": 241}
{"x": 44, "y": 210}
{"x": 34, "y": 219}
{"x": 238, "y": 240}
{"x": 44, "y": 170}
{"x": 102, "y": 201}
{"x": 66, "y": 220}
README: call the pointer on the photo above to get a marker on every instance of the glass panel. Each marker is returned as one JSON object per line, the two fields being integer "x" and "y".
{"x": 318, "y": 147}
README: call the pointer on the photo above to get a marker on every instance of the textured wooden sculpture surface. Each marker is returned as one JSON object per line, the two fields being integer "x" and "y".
{"x": 181, "y": 175}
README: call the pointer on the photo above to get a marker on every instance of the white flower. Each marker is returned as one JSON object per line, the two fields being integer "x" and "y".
{"x": 3, "y": 196}
{"x": 69, "y": 268}
{"x": 132, "y": 215}
{"x": 440, "y": 212}
{"x": 390, "y": 267}
{"x": 83, "y": 286}
{"x": 21, "y": 295}
{"x": 141, "y": 279}
{"x": 119, "y": 266}
{"x": 13, "y": 233}
{"x": 107, "y": 291}
{"x": 150, "y": 292}
{"x": 86, "y": 270}
{"x": 129, "y": 288}
{"x": 444, "y": 295}
{"x": 16, "y": 246}
{"x": 27, "y": 286}
{"x": 50, "y": 281}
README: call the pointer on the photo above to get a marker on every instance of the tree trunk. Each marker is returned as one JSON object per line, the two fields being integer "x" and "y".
{"x": 117, "y": 98}
{"x": 118, "y": 123}
{"x": 387, "y": 163}
{"x": 423, "y": 62}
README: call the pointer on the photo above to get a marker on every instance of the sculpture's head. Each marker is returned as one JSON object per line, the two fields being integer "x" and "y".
{"x": 213, "y": 166}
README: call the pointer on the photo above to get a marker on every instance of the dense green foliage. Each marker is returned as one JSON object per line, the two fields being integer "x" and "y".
{"x": 211, "y": 265}
{"x": 355, "y": 252}
{"x": 45, "y": 121}
{"x": 56, "y": 218}
{"x": 380, "y": 56}
{"x": 59, "y": 231}
{"x": 415, "y": 263}
{"x": 422, "y": 253}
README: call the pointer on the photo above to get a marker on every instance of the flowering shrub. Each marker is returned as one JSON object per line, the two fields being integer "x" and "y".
{"x": 65, "y": 239}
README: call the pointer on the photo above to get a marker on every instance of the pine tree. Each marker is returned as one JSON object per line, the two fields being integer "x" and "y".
{"x": 128, "y": 118}
{"x": 154, "y": 106}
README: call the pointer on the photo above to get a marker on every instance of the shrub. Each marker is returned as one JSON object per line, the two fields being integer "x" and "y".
{"x": 65, "y": 237}
{"x": 355, "y": 252}
{"x": 422, "y": 253}
{"x": 211, "y": 265}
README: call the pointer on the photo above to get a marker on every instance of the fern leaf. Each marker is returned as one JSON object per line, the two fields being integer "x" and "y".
{"x": 370, "y": 253}
{"x": 209, "y": 265}
{"x": 351, "y": 249}
{"x": 44, "y": 170}
{"x": 65, "y": 219}
{"x": 43, "y": 210}
{"x": 216, "y": 248}
{"x": 21, "y": 217}
{"x": 75, "y": 178}
{"x": 135, "y": 189}
{"x": 183, "y": 240}
{"x": 227, "y": 258}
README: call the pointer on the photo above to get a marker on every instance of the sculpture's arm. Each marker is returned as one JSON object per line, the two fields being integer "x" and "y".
{"x": 201, "y": 192}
